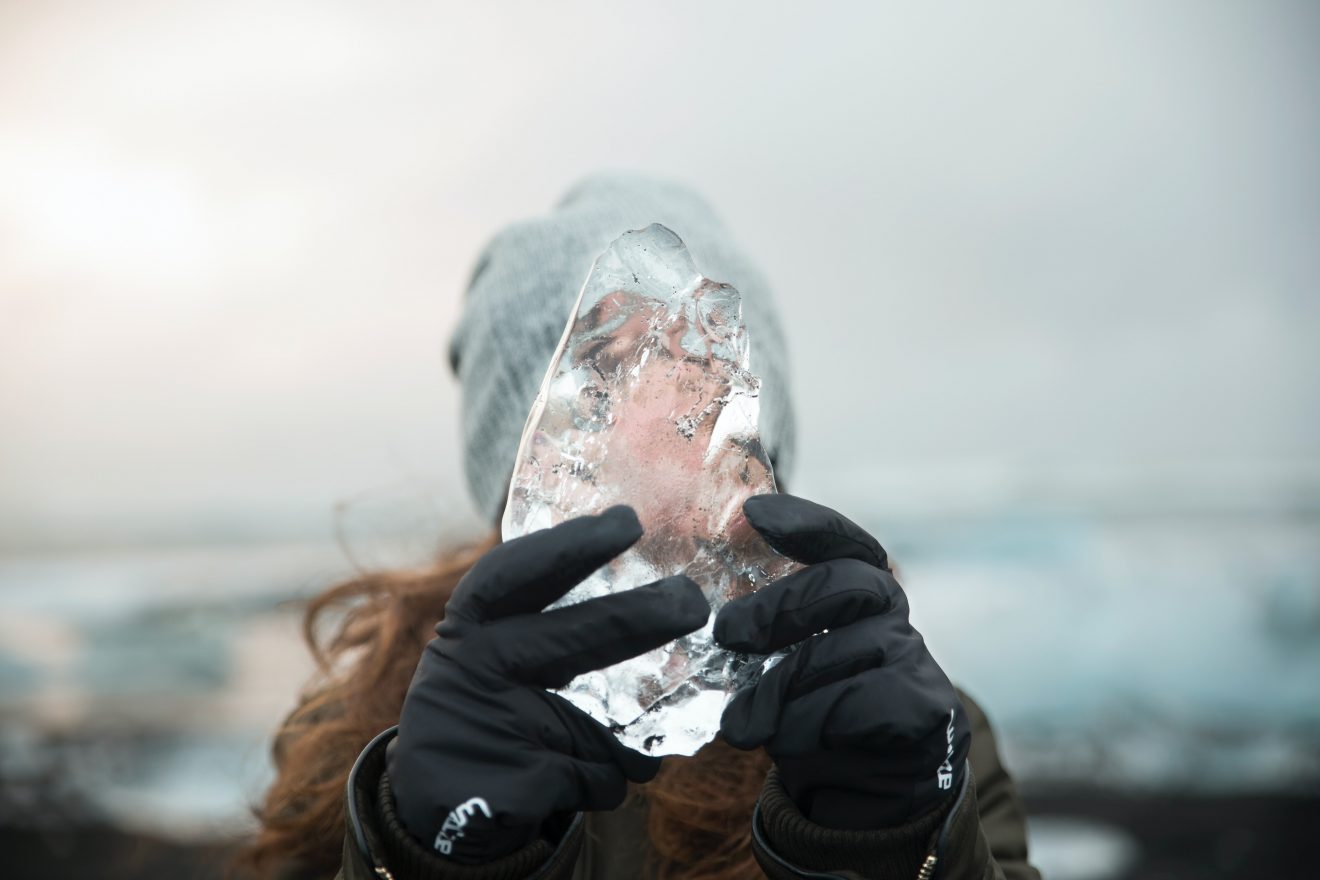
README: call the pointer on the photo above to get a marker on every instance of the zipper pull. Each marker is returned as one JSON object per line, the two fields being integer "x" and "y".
{"x": 928, "y": 867}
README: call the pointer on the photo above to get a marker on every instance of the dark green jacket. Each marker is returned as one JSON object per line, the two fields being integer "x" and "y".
{"x": 981, "y": 835}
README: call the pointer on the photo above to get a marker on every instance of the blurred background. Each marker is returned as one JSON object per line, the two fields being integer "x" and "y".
{"x": 1051, "y": 277}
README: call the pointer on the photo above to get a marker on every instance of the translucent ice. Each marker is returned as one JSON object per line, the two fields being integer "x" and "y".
{"x": 650, "y": 401}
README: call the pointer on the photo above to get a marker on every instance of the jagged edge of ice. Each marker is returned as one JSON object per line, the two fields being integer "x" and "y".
{"x": 661, "y": 238}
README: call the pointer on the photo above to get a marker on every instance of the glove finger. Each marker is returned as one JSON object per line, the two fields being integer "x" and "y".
{"x": 580, "y": 736}
{"x": 755, "y": 715}
{"x": 585, "y": 785}
{"x": 552, "y": 648}
{"x": 751, "y": 717}
{"x": 899, "y": 705}
{"x": 597, "y": 786}
{"x": 810, "y": 532}
{"x": 810, "y": 600}
{"x": 526, "y": 574}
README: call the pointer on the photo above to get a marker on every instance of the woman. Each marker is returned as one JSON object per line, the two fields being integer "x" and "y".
{"x": 853, "y": 757}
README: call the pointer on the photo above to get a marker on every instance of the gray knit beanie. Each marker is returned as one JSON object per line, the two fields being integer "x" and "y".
{"x": 522, "y": 293}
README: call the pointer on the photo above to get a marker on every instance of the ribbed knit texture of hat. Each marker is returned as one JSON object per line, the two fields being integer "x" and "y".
{"x": 522, "y": 293}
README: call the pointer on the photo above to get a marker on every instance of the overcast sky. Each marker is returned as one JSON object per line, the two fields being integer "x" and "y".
{"x": 1043, "y": 238}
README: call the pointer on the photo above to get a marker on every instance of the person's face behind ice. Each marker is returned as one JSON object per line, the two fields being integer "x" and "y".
{"x": 524, "y": 288}
{"x": 658, "y": 438}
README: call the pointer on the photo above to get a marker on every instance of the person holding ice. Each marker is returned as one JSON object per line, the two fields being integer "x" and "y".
{"x": 836, "y": 745}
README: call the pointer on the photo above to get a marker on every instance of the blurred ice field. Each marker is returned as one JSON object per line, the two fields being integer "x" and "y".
{"x": 1140, "y": 647}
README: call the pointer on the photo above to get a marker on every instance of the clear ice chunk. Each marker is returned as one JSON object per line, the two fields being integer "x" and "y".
{"x": 650, "y": 401}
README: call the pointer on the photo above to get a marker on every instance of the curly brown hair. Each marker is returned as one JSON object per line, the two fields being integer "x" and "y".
{"x": 366, "y": 636}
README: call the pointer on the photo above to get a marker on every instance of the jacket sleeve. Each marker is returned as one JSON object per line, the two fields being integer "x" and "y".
{"x": 980, "y": 835}
{"x": 378, "y": 847}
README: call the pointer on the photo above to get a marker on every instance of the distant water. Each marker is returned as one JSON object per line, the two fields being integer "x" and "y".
{"x": 1149, "y": 651}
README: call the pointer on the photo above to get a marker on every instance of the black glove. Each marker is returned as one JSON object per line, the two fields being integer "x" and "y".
{"x": 485, "y": 754}
{"x": 863, "y": 724}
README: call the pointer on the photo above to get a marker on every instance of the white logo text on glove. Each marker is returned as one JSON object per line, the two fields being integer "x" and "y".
{"x": 457, "y": 820}
{"x": 944, "y": 775}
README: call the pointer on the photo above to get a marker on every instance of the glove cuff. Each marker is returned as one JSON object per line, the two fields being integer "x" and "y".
{"x": 793, "y": 838}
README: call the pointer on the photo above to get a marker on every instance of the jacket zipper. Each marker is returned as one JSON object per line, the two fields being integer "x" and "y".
{"x": 928, "y": 867}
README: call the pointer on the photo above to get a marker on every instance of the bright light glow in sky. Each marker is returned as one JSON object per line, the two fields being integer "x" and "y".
{"x": 233, "y": 240}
